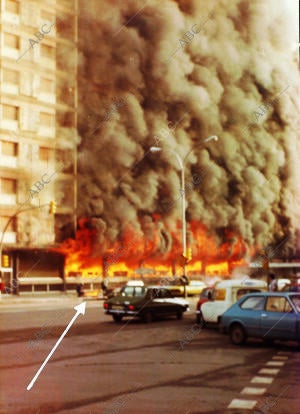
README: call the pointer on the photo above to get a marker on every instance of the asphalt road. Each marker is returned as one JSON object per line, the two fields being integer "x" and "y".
{"x": 167, "y": 366}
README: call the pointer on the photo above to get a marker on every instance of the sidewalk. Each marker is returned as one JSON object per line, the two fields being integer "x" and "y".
{"x": 39, "y": 299}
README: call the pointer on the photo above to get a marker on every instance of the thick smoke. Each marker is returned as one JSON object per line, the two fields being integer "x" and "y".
{"x": 172, "y": 73}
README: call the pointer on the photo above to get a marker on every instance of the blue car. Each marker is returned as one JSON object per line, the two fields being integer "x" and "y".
{"x": 265, "y": 315}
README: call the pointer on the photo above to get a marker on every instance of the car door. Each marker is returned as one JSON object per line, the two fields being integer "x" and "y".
{"x": 279, "y": 320}
{"x": 157, "y": 303}
{"x": 251, "y": 310}
{"x": 170, "y": 303}
{"x": 211, "y": 310}
{"x": 165, "y": 302}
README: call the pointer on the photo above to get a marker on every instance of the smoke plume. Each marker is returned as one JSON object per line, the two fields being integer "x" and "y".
{"x": 172, "y": 73}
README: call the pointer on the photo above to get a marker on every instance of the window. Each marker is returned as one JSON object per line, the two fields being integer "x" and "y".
{"x": 278, "y": 304}
{"x": 9, "y": 148}
{"x": 12, "y": 41}
{"x": 139, "y": 291}
{"x": 296, "y": 302}
{"x": 46, "y": 120}
{"x": 254, "y": 303}
{"x": 220, "y": 294}
{"x": 47, "y": 51}
{"x": 44, "y": 154}
{"x": 154, "y": 293}
{"x": 10, "y": 112}
{"x": 11, "y": 76}
{"x": 47, "y": 85}
{"x": 8, "y": 186}
{"x": 164, "y": 293}
{"x": 241, "y": 292}
{"x": 127, "y": 291}
{"x": 12, "y": 6}
{"x": 12, "y": 225}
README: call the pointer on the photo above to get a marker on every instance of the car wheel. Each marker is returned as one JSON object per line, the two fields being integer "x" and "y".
{"x": 237, "y": 334}
{"x": 147, "y": 317}
{"x": 117, "y": 318}
{"x": 179, "y": 314}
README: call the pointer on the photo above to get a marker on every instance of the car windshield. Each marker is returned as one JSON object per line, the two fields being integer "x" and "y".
{"x": 207, "y": 293}
{"x": 133, "y": 291}
{"x": 296, "y": 302}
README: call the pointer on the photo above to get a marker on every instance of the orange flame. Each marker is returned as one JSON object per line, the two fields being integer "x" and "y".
{"x": 85, "y": 257}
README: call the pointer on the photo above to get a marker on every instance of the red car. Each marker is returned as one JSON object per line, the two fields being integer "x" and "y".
{"x": 206, "y": 295}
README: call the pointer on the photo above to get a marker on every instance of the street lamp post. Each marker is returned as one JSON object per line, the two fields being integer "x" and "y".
{"x": 182, "y": 191}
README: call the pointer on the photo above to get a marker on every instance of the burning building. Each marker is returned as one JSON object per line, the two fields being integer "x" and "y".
{"x": 170, "y": 74}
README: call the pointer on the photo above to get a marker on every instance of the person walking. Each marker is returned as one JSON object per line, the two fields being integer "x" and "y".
{"x": 273, "y": 286}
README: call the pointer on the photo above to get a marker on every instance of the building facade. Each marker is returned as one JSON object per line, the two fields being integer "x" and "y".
{"x": 38, "y": 134}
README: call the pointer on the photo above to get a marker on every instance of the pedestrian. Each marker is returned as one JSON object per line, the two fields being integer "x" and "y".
{"x": 104, "y": 286}
{"x": 79, "y": 290}
{"x": 273, "y": 286}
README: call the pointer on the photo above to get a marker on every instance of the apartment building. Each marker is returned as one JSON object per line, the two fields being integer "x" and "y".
{"x": 38, "y": 136}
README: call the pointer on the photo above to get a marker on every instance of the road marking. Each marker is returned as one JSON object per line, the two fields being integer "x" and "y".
{"x": 275, "y": 363}
{"x": 253, "y": 391}
{"x": 268, "y": 371}
{"x": 262, "y": 380}
{"x": 246, "y": 404}
{"x": 284, "y": 353}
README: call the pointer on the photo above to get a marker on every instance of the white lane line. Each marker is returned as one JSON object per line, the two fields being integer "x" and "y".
{"x": 284, "y": 353}
{"x": 275, "y": 363}
{"x": 282, "y": 358}
{"x": 262, "y": 380}
{"x": 268, "y": 371}
{"x": 253, "y": 391}
{"x": 246, "y": 404}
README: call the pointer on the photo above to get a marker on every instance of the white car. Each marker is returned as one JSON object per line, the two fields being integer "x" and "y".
{"x": 135, "y": 283}
{"x": 226, "y": 293}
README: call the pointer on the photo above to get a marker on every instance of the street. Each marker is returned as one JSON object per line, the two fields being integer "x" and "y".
{"x": 167, "y": 366}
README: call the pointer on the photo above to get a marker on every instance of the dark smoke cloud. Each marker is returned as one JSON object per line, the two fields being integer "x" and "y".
{"x": 240, "y": 60}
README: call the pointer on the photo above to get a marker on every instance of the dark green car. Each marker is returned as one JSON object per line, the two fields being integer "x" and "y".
{"x": 145, "y": 302}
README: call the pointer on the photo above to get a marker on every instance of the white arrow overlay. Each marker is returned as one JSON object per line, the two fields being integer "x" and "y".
{"x": 80, "y": 309}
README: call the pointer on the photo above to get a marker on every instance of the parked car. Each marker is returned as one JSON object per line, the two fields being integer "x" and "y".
{"x": 205, "y": 296}
{"x": 145, "y": 302}
{"x": 226, "y": 293}
{"x": 266, "y": 315}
